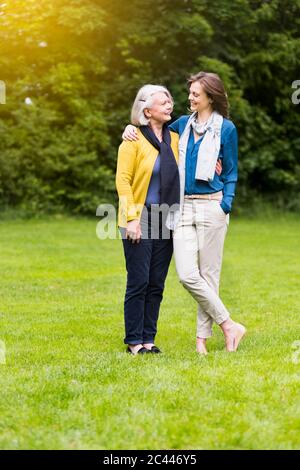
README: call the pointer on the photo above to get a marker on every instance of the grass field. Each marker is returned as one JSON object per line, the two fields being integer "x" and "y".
{"x": 68, "y": 383}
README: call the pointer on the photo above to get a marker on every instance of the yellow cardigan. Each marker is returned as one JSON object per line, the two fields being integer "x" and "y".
{"x": 134, "y": 170}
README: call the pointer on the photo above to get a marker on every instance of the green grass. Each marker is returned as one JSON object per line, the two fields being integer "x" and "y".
{"x": 68, "y": 383}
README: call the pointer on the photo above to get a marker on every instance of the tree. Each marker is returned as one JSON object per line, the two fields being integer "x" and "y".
{"x": 81, "y": 62}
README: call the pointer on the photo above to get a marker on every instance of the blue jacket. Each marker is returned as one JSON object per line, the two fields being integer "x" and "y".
{"x": 226, "y": 182}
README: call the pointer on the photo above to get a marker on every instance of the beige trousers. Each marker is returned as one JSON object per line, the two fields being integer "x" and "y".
{"x": 198, "y": 250}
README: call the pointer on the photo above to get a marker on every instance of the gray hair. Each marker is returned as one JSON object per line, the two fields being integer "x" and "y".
{"x": 143, "y": 100}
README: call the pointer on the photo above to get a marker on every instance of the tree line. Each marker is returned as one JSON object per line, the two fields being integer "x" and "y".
{"x": 72, "y": 68}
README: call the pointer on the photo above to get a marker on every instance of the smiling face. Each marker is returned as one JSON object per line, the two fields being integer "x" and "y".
{"x": 161, "y": 108}
{"x": 199, "y": 100}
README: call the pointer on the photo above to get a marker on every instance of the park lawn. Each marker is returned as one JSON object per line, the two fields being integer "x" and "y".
{"x": 68, "y": 383}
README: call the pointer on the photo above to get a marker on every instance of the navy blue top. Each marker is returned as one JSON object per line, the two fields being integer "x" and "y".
{"x": 226, "y": 182}
{"x": 153, "y": 194}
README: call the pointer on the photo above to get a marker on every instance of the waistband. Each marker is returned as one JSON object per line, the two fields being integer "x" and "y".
{"x": 213, "y": 196}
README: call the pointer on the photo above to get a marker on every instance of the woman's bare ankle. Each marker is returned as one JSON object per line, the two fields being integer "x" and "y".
{"x": 201, "y": 345}
{"x": 148, "y": 345}
{"x": 227, "y": 325}
{"x": 135, "y": 348}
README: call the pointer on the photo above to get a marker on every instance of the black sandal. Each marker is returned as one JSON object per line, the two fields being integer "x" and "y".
{"x": 140, "y": 351}
{"x": 155, "y": 350}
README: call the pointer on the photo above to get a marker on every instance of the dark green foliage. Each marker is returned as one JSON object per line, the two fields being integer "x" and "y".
{"x": 82, "y": 61}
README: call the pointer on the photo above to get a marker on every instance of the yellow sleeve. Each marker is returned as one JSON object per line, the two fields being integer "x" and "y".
{"x": 126, "y": 166}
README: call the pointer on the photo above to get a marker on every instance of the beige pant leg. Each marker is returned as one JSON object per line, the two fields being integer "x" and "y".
{"x": 189, "y": 240}
{"x": 213, "y": 223}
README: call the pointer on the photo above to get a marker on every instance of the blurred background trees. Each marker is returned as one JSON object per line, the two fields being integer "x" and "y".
{"x": 72, "y": 69}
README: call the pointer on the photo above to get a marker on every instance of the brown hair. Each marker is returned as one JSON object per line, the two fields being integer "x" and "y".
{"x": 214, "y": 88}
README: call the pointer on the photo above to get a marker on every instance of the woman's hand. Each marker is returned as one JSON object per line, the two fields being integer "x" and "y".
{"x": 133, "y": 231}
{"x": 130, "y": 133}
{"x": 219, "y": 167}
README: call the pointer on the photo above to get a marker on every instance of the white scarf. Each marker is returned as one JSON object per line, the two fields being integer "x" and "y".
{"x": 206, "y": 161}
{"x": 208, "y": 149}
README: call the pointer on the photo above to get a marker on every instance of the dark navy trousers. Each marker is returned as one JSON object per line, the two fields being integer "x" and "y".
{"x": 147, "y": 265}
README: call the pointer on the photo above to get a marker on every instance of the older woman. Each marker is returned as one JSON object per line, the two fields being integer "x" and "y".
{"x": 147, "y": 177}
{"x": 206, "y": 199}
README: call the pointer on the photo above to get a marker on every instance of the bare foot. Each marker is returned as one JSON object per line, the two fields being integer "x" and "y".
{"x": 148, "y": 346}
{"x": 233, "y": 336}
{"x": 201, "y": 346}
{"x": 134, "y": 348}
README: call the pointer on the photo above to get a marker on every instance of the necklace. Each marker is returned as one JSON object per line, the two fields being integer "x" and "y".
{"x": 199, "y": 128}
